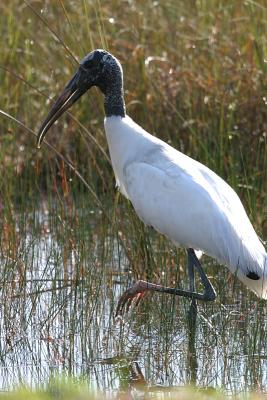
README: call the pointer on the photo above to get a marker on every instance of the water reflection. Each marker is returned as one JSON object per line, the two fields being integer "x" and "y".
{"x": 58, "y": 300}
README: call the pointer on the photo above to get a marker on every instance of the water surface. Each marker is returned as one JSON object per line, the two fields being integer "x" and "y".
{"x": 61, "y": 279}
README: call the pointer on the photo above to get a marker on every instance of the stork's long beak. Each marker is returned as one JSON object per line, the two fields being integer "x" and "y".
{"x": 71, "y": 93}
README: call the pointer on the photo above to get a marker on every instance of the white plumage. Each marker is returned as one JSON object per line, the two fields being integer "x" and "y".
{"x": 178, "y": 196}
{"x": 185, "y": 201}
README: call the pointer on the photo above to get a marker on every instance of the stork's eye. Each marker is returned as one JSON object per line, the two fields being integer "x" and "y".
{"x": 253, "y": 276}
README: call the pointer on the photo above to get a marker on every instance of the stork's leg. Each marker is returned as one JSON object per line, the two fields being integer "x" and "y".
{"x": 192, "y": 313}
{"x": 137, "y": 291}
{"x": 192, "y": 319}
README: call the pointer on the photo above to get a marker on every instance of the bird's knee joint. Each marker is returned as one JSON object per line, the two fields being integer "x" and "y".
{"x": 210, "y": 296}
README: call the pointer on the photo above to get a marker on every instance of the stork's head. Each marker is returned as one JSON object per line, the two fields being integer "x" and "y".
{"x": 99, "y": 68}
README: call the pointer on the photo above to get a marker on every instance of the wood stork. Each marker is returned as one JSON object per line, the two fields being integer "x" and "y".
{"x": 178, "y": 196}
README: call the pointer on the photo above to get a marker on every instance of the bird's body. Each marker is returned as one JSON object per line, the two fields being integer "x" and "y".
{"x": 178, "y": 196}
{"x": 184, "y": 200}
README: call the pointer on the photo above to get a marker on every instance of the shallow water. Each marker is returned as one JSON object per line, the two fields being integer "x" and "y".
{"x": 59, "y": 290}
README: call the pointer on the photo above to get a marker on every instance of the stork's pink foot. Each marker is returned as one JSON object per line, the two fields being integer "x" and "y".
{"x": 132, "y": 295}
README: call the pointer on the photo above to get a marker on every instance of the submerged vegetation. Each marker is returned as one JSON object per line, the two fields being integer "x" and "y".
{"x": 195, "y": 76}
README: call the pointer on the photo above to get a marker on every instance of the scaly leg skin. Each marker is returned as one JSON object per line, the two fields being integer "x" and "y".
{"x": 192, "y": 312}
{"x": 192, "y": 319}
{"x": 137, "y": 291}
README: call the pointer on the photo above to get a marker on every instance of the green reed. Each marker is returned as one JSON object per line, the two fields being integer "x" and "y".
{"x": 195, "y": 76}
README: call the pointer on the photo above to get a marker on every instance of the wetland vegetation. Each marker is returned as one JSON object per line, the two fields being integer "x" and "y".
{"x": 196, "y": 76}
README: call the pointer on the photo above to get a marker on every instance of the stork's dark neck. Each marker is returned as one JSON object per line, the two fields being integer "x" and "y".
{"x": 114, "y": 101}
{"x": 110, "y": 83}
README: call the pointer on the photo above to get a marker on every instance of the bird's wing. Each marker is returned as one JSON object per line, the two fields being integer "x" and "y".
{"x": 231, "y": 204}
{"x": 181, "y": 203}
{"x": 175, "y": 203}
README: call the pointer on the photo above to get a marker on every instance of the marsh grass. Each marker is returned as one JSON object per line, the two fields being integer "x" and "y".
{"x": 70, "y": 389}
{"x": 195, "y": 75}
